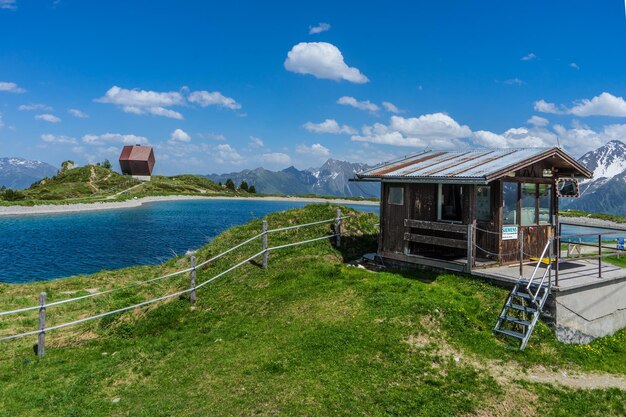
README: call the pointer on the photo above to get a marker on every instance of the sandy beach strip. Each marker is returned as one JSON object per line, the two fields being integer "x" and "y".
{"x": 79, "y": 207}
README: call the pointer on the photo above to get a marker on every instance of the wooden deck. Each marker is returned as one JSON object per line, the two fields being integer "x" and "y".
{"x": 574, "y": 274}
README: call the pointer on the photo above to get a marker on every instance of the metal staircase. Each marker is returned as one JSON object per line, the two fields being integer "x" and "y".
{"x": 525, "y": 303}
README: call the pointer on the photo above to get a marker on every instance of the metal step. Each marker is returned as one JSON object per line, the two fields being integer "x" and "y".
{"x": 522, "y": 295}
{"x": 516, "y": 320}
{"x": 523, "y": 308}
{"x": 511, "y": 333}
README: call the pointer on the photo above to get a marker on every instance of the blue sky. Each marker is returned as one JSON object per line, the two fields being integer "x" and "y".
{"x": 222, "y": 86}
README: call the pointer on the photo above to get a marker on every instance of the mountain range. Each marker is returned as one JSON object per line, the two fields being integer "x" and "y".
{"x": 20, "y": 173}
{"x": 606, "y": 192}
{"x": 331, "y": 179}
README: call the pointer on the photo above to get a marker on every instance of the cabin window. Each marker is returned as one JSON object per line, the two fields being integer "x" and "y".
{"x": 396, "y": 196}
{"x": 451, "y": 202}
{"x": 509, "y": 206}
{"x": 529, "y": 204}
{"x": 483, "y": 203}
{"x": 545, "y": 201}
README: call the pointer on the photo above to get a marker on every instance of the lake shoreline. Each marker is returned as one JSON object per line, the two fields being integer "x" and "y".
{"x": 84, "y": 207}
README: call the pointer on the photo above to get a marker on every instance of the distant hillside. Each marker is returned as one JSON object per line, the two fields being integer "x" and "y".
{"x": 94, "y": 183}
{"x": 79, "y": 182}
{"x": 606, "y": 192}
{"x": 19, "y": 173}
{"x": 331, "y": 179}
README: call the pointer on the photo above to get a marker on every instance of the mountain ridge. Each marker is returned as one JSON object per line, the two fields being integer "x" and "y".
{"x": 330, "y": 179}
{"x": 19, "y": 173}
{"x": 606, "y": 191}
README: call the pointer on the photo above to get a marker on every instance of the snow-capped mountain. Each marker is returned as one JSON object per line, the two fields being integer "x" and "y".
{"x": 606, "y": 192}
{"x": 330, "y": 179}
{"x": 19, "y": 173}
{"x": 333, "y": 177}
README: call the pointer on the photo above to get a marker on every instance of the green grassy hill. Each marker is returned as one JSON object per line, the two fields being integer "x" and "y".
{"x": 308, "y": 336}
{"x": 94, "y": 183}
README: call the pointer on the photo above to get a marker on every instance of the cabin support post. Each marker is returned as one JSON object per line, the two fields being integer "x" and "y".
{"x": 469, "y": 248}
{"x": 264, "y": 240}
{"x": 192, "y": 280}
{"x": 41, "y": 337}
{"x": 338, "y": 227}
{"x": 521, "y": 253}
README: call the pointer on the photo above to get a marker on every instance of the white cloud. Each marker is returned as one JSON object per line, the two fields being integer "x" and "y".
{"x": 255, "y": 142}
{"x": 10, "y": 87}
{"x": 520, "y": 137}
{"x": 47, "y": 137}
{"x": 513, "y": 81}
{"x": 574, "y": 65}
{"x": 316, "y": 149}
{"x": 179, "y": 135}
{"x": 212, "y": 136}
{"x": 144, "y": 102}
{"x": 8, "y": 4}
{"x": 77, "y": 113}
{"x": 321, "y": 27}
{"x": 437, "y": 130}
{"x": 275, "y": 158}
{"x": 29, "y": 107}
{"x": 538, "y": 121}
{"x": 361, "y": 105}
{"x": 114, "y": 138}
{"x": 390, "y": 107}
{"x": 322, "y": 60}
{"x": 328, "y": 126}
{"x": 227, "y": 154}
{"x": 48, "y": 118}
{"x": 605, "y": 104}
{"x": 215, "y": 98}
{"x": 545, "y": 107}
{"x": 529, "y": 57}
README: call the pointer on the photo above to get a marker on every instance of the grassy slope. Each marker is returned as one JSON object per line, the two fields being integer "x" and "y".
{"x": 309, "y": 336}
{"x": 93, "y": 183}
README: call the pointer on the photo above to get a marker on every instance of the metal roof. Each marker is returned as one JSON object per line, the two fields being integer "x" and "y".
{"x": 470, "y": 166}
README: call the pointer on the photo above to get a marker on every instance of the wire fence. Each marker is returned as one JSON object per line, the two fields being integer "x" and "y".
{"x": 43, "y": 305}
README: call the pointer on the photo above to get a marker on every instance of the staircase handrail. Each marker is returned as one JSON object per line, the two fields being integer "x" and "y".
{"x": 532, "y": 277}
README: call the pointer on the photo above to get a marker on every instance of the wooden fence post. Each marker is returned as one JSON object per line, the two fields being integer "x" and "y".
{"x": 192, "y": 279}
{"x": 265, "y": 251}
{"x": 41, "y": 338}
{"x": 338, "y": 227}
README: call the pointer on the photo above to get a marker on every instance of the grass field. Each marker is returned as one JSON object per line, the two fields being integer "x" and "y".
{"x": 308, "y": 336}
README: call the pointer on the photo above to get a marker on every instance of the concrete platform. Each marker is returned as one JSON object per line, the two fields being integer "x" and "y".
{"x": 583, "y": 306}
{"x": 586, "y": 304}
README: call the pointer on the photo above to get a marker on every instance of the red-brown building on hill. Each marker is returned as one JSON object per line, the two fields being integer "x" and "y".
{"x": 137, "y": 161}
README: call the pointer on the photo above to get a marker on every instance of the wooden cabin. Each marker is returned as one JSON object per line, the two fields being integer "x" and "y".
{"x": 471, "y": 206}
{"x": 137, "y": 162}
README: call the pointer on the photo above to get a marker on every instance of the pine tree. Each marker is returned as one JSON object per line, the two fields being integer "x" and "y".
{"x": 252, "y": 189}
{"x": 230, "y": 184}
{"x": 244, "y": 185}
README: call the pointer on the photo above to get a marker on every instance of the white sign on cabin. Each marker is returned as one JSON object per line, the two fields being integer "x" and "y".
{"x": 509, "y": 233}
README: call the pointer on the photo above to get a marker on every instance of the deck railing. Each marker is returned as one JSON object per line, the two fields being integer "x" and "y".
{"x": 266, "y": 249}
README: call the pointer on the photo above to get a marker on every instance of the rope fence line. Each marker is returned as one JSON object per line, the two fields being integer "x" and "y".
{"x": 266, "y": 249}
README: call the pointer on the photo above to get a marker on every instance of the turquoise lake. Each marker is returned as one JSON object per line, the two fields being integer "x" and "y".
{"x": 45, "y": 247}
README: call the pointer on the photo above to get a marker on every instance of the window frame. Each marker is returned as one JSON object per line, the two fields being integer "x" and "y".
{"x": 440, "y": 204}
{"x": 401, "y": 188}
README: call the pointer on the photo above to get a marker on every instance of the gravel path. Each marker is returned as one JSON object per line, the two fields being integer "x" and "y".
{"x": 70, "y": 208}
